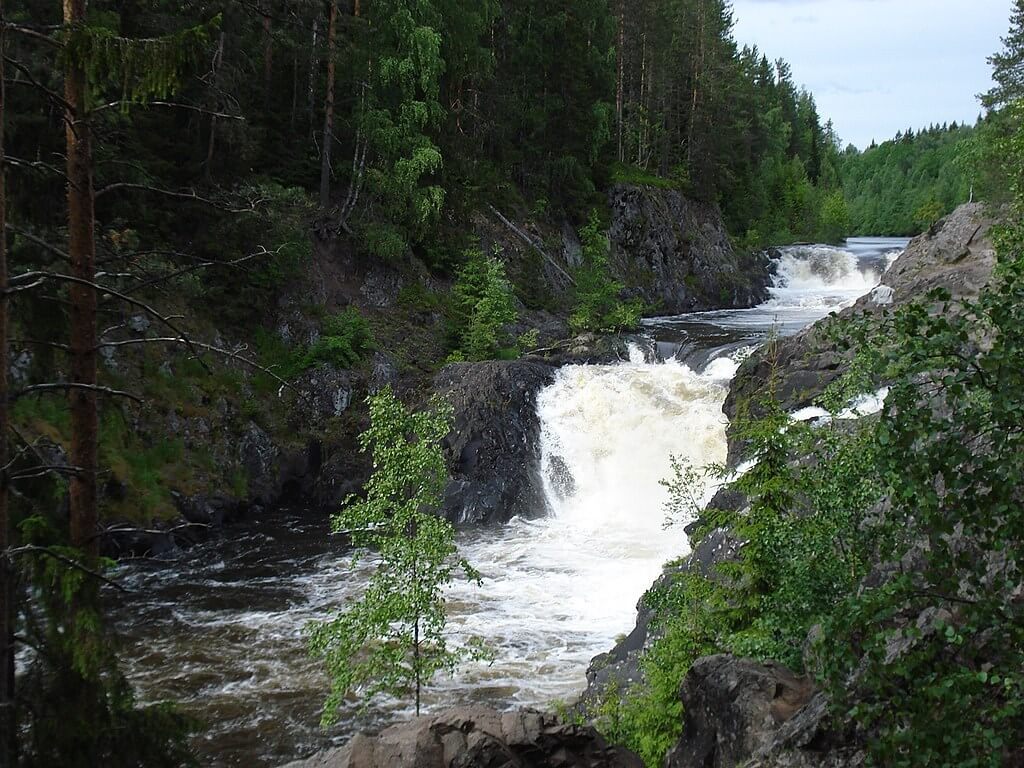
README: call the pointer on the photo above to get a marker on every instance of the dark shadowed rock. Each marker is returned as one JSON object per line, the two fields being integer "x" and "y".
{"x": 493, "y": 449}
{"x": 733, "y": 708}
{"x": 675, "y": 253}
{"x": 477, "y": 737}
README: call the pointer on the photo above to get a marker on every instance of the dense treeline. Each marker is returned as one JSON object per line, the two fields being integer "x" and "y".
{"x": 404, "y": 114}
{"x": 902, "y": 186}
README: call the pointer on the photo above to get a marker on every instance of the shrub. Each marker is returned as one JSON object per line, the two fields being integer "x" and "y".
{"x": 484, "y": 308}
{"x": 597, "y": 306}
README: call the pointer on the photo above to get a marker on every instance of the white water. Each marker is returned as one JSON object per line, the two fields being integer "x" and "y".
{"x": 559, "y": 590}
{"x": 820, "y": 276}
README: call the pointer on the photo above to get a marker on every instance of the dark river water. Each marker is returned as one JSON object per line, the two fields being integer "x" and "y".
{"x": 220, "y": 628}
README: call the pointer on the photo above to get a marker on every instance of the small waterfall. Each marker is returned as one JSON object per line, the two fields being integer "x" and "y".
{"x": 817, "y": 275}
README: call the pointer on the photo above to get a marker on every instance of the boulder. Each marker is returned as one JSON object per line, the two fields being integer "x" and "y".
{"x": 478, "y": 737}
{"x": 494, "y": 448}
{"x": 675, "y": 254}
{"x": 734, "y": 708}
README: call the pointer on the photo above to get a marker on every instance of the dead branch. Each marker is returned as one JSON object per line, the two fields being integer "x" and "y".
{"x": 165, "y": 320}
{"x": 172, "y": 104}
{"x": 31, "y": 474}
{"x": 235, "y": 354}
{"x": 190, "y": 195}
{"x": 32, "y": 82}
{"x": 66, "y": 385}
{"x": 532, "y": 243}
{"x": 34, "y": 34}
{"x": 40, "y": 242}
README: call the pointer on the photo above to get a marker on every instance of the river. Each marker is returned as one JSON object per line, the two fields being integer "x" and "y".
{"x": 221, "y": 630}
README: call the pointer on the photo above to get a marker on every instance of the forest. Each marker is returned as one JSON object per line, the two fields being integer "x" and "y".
{"x": 180, "y": 162}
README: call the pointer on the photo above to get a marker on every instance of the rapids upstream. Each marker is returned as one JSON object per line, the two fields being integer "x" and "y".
{"x": 221, "y": 630}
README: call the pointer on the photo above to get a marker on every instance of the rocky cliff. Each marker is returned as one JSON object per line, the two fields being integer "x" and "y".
{"x": 675, "y": 254}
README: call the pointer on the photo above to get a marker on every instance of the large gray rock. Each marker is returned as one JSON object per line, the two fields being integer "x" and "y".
{"x": 478, "y": 737}
{"x": 493, "y": 448}
{"x": 733, "y": 709}
{"x": 956, "y": 254}
{"x": 675, "y": 253}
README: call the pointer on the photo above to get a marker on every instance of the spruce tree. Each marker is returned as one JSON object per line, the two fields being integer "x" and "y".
{"x": 1008, "y": 64}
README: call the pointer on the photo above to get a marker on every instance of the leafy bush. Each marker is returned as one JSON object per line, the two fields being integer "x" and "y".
{"x": 943, "y": 641}
{"x": 345, "y": 341}
{"x": 597, "y": 306}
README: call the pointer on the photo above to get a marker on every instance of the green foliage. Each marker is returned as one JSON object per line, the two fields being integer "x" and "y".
{"x": 400, "y": 114}
{"x": 801, "y": 555}
{"x": 903, "y": 186}
{"x": 484, "y": 307}
{"x": 345, "y": 341}
{"x": 944, "y": 636}
{"x": 596, "y": 297}
{"x": 391, "y": 640}
{"x": 631, "y": 174}
{"x": 77, "y": 708}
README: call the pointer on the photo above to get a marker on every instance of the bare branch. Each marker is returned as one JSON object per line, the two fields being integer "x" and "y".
{"x": 190, "y": 195}
{"x": 176, "y": 105}
{"x": 533, "y": 244}
{"x": 40, "y": 343}
{"x": 230, "y": 354}
{"x": 40, "y": 242}
{"x": 30, "y": 32}
{"x": 32, "y": 82}
{"x": 202, "y": 265}
{"x": 60, "y": 469}
{"x": 34, "y": 165}
{"x": 58, "y": 386}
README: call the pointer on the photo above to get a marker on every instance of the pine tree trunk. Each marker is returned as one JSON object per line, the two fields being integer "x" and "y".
{"x": 620, "y": 75}
{"x": 82, "y": 250}
{"x": 328, "y": 139}
{"x": 313, "y": 69}
{"x": 218, "y": 58}
{"x": 8, "y": 722}
{"x": 268, "y": 59}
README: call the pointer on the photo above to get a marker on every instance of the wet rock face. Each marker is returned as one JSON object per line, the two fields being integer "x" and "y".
{"x": 494, "y": 448}
{"x": 477, "y": 737}
{"x": 675, "y": 254}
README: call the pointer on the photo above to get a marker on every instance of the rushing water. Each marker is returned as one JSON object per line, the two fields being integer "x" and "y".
{"x": 221, "y": 629}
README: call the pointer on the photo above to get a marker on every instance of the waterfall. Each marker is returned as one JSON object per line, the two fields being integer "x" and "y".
{"x": 561, "y": 588}
{"x": 821, "y": 275}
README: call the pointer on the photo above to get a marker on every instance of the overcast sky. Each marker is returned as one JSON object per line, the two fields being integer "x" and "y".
{"x": 880, "y": 66}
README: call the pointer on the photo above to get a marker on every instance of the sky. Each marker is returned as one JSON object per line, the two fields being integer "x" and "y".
{"x": 877, "y": 67}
